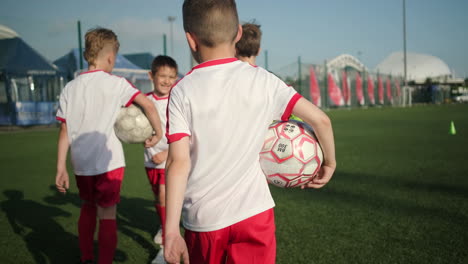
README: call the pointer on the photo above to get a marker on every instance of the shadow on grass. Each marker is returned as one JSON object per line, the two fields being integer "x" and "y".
{"x": 132, "y": 213}
{"x": 35, "y": 223}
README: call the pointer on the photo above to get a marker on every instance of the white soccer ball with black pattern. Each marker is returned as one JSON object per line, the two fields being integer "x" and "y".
{"x": 132, "y": 125}
{"x": 291, "y": 155}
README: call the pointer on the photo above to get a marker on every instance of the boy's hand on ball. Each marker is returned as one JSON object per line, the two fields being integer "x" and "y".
{"x": 323, "y": 177}
{"x": 150, "y": 142}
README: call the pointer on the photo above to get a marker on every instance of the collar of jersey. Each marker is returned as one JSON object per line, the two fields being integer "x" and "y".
{"x": 159, "y": 98}
{"x": 214, "y": 62}
{"x": 92, "y": 71}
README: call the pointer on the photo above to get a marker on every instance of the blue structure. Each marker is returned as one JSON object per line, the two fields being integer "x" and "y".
{"x": 29, "y": 85}
{"x": 69, "y": 66}
{"x": 142, "y": 60}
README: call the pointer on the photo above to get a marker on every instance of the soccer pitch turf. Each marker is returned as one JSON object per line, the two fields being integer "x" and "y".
{"x": 399, "y": 195}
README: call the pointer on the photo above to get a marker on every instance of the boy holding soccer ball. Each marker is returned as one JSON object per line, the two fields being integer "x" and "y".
{"x": 163, "y": 74}
{"x": 218, "y": 116}
{"x": 88, "y": 108}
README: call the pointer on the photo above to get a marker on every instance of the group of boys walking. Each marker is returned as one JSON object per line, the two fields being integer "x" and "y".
{"x": 205, "y": 169}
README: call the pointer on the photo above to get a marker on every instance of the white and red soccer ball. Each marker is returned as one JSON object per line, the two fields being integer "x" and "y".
{"x": 291, "y": 155}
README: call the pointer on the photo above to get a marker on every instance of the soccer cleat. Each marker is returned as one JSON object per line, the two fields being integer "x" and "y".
{"x": 158, "y": 237}
{"x": 159, "y": 259}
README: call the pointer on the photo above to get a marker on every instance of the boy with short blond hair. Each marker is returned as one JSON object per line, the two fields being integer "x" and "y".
{"x": 248, "y": 47}
{"x": 218, "y": 117}
{"x": 88, "y": 108}
{"x": 163, "y": 74}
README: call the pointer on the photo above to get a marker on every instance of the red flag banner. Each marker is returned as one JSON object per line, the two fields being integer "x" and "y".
{"x": 380, "y": 90}
{"x": 334, "y": 92}
{"x": 359, "y": 93}
{"x": 370, "y": 89}
{"x": 398, "y": 89}
{"x": 314, "y": 89}
{"x": 389, "y": 90}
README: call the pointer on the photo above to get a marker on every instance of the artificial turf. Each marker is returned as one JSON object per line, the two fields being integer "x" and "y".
{"x": 399, "y": 195}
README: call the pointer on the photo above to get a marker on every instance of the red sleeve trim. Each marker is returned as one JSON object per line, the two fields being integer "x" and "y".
{"x": 176, "y": 137}
{"x": 287, "y": 113}
{"x": 131, "y": 99}
{"x": 61, "y": 119}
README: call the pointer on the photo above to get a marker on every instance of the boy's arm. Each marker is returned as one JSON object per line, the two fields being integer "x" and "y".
{"x": 177, "y": 170}
{"x": 62, "y": 181}
{"x": 160, "y": 157}
{"x": 153, "y": 116}
{"x": 322, "y": 126}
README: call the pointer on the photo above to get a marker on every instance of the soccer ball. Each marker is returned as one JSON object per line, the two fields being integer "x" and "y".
{"x": 132, "y": 125}
{"x": 291, "y": 155}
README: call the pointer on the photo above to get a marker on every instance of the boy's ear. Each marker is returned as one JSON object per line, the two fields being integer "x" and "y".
{"x": 109, "y": 58}
{"x": 239, "y": 34}
{"x": 192, "y": 41}
{"x": 150, "y": 74}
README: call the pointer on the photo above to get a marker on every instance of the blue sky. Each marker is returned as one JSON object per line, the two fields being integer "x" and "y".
{"x": 316, "y": 30}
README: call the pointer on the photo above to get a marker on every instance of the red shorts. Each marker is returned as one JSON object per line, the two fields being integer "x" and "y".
{"x": 249, "y": 241}
{"x": 156, "y": 177}
{"x": 103, "y": 189}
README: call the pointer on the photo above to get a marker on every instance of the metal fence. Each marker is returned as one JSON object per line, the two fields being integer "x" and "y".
{"x": 356, "y": 86}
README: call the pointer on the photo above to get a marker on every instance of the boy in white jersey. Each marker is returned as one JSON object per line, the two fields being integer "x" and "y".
{"x": 248, "y": 47}
{"x": 163, "y": 75}
{"x": 218, "y": 116}
{"x": 88, "y": 108}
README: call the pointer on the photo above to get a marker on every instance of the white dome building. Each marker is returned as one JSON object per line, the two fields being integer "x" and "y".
{"x": 6, "y": 32}
{"x": 419, "y": 66}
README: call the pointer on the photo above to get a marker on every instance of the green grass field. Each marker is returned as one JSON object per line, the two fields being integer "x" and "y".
{"x": 399, "y": 195}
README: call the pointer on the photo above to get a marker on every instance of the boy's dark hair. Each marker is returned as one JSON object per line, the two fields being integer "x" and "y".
{"x": 95, "y": 40}
{"x": 249, "y": 44}
{"x": 213, "y": 22}
{"x": 162, "y": 60}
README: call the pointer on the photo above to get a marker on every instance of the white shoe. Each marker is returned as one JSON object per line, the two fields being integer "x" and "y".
{"x": 159, "y": 259}
{"x": 158, "y": 237}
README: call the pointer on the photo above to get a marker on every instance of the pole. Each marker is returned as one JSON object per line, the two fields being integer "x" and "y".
{"x": 404, "y": 48}
{"x": 80, "y": 47}
{"x": 299, "y": 75}
{"x": 164, "y": 45}
{"x": 171, "y": 20}
{"x": 266, "y": 60}
{"x": 325, "y": 77}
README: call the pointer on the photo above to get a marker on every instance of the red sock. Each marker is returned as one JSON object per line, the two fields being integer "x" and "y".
{"x": 162, "y": 217}
{"x": 86, "y": 229}
{"x": 107, "y": 240}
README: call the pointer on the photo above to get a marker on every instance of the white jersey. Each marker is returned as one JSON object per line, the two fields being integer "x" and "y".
{"x": 161, "y": 105}
{"x": 89, "y": 105}
{"x": 226, "y": 106}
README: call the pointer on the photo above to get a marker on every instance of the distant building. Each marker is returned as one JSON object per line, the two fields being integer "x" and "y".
{"x": 420, "y": 67}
